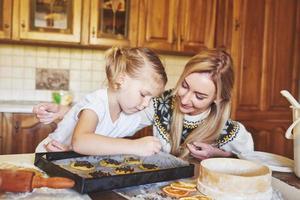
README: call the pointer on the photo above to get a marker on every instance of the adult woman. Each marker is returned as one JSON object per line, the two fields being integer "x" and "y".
{"x": 194, "y": 116}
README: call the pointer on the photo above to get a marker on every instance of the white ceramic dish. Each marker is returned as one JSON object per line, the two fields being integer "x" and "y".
{"x": 273, "y": 161}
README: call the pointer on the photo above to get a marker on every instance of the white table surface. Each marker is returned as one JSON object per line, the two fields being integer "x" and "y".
{"x": 27, "y": 160}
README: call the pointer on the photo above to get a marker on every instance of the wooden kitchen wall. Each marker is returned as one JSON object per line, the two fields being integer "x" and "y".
{"x": 263, "y": 38}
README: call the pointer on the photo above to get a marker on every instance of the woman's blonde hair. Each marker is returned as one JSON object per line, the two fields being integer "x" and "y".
{"x": 132, "y": 62}
{"x": 218, "y": 64}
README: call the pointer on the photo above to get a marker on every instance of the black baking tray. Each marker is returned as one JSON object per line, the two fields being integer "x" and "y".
{"x": 86, "y": 185}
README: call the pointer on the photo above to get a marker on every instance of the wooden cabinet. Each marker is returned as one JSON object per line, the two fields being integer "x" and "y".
{"x": 224, "y": 24}
{"x": 82, "y": 22}
{"x": 197, "y": 20}
{"x": 158, "y": 24}
{"x": 113, "y": 23}
{"x": 147, "y": 131}
{"x": 177, "y": 25}
{"x": 21, "y": 133}
{"x": 266, "y": 49}
{"x": 169, "y": 25}
{"x": 50, "y": 20}
{"x": 5, "y": 19}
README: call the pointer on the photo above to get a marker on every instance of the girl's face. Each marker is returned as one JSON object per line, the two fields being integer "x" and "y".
{"x": 196, "y": 93}
{"x": 135, "y": 94}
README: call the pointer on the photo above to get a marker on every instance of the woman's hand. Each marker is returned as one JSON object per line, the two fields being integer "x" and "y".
{"x": 203, "y": 151}
{"x": 54, "y": 146}
{"x": 147, "y": 146}
{"x": 49, "y": 112}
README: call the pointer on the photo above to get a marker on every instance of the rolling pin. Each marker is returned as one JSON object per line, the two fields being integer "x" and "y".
{"x": 25, "y": 181}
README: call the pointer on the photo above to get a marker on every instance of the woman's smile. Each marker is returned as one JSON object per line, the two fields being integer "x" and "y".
{"x": 185, "y": 106}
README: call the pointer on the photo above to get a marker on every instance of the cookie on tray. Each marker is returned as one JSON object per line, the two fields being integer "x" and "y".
{"x": 124, "y": 170}
{"x": 82, "y": 165}
{"x": 148, "y": 167}
{"x": 108, "y": 162}
{"x": 132, "y": 160}
{"x": 99, "y": 174}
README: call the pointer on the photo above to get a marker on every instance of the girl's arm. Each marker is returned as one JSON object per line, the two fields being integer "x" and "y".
{"x": 85, "y": 141}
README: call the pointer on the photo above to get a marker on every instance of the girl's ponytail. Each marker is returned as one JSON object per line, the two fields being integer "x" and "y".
{"x": 115, "y": 65}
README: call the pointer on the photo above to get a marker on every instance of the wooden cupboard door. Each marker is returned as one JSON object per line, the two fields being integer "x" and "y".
{"x": 224, "y": 24}
{"x": 50, "y": 20}
{"x": 265, "y": 50}
{"x": 270, "y": 137}
{"x": 147, "y": 131}
{"x": 158, "y": 24}
{"x": 6, "y": 133}
{"x": 28, "y": 133}
{"x": 21, "y": 133}
{"x": 113, "y": 23}
{"x": 5, "y": 19}
{"x": 249, "y": 54}
{"x": 282, "y": 51}
{"x": 197, "y": 25}
{"x": 1, "y": 133}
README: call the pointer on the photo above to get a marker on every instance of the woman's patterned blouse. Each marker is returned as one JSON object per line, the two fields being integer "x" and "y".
{"x": 163, "y": 109}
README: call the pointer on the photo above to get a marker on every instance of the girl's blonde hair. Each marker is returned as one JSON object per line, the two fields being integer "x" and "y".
{"x": 132, "y": 62}
{"x": 218, "y": 64}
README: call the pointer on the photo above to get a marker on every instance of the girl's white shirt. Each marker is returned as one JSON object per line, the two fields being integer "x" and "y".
{"x": 124, "y": 126}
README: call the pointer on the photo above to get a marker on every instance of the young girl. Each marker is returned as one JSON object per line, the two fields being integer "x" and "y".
{"x": 93, "y": 126}
{"x": 194, "y": 118}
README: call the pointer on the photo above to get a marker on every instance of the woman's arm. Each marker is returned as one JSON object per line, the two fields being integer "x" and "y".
{"x": 241, "y": 143}
{"x": 50, "y": 112}
{"x": 203, "y": 151}
{"x": 85, "y": 141}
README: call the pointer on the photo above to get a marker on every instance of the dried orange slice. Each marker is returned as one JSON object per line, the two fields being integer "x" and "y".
{"x": 184, "y": 186}
{"x": 175, "y": 192}
{"x": 188, "y": 198}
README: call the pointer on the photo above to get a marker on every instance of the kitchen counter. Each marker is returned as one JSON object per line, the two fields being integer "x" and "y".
{"x": 27, "y": 160}
{"x": 17, "y": 106}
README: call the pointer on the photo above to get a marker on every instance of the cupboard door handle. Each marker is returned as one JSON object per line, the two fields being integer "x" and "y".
{"x": 17, "y": 126}
{"x": 6, "y": 26}
{"x": 93, "y": 32}
{"x": 23, "y": 24}
{"x": 237, "y": 24}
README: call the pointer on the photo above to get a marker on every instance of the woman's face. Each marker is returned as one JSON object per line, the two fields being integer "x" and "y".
{"x": 196, "y": 93}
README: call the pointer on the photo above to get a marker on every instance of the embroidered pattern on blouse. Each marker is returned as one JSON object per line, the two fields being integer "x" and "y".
{"x": 229, "y": 133}
{"x": 163, "y": 109}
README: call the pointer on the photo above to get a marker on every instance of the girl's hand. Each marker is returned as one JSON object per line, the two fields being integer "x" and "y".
{"x": 49, "y": 112}
{"x": 54, "y": 146}
{"x": 147, "y": 146}
{"x": 203, "y": 151}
